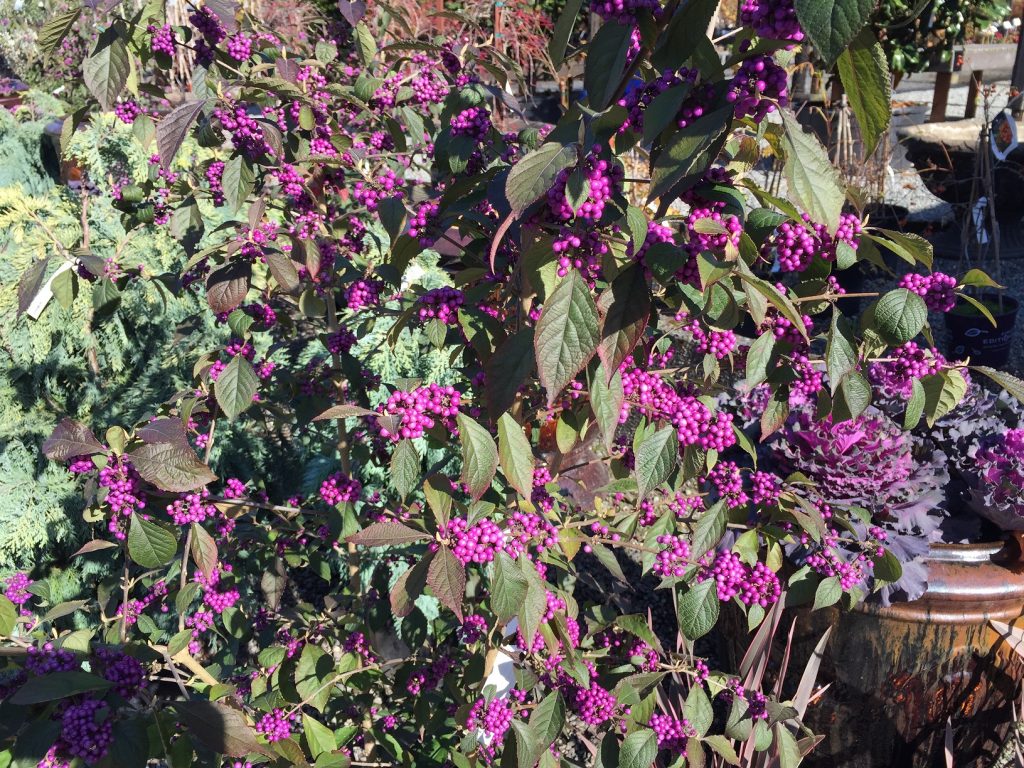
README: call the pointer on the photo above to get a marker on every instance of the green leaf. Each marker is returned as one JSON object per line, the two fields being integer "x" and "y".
{"x": 853, "y": 398}
{"x": 723, "y": 748}
{"x": 759, "y": 357}
{"x": 387, "y": 534}
{"x": 864, "y": 72}
{"x": 662, "y": 110}
{"x": 567, "y": 334}
{"x": 698, "y": 609}
{"x": 787, "y": 748}
{"x": 237, "y": 182}
{"x": 236, "y": 386}
{"x": 605, "y": 63}
{"x": 105, "y": 71}
{"x": 57, "y": 685}
{"x": 625, "y": 309}
{"x": 688, "y": 151}
{"x": 405, "y": 468}
{"x": 515, "y": 455}
{"x": 639, "y": 749}
{"x": 832, "y": 24}
{"x": 532, "y": 177}
{"x": 812, "y": 180}
{"x": 314, "y": 669}
{"x": 709, "y": 530}
{"x": 171, "y": 467}
{"x": 204, "y": 550}
{"x": 606, "y": 403}
{"x": 828, "y": 593}
{"x": 150, "y": 544}
{"x": 978, "y": 279}
{"x": 219, "y": 727}
{"x": 55, "y": 30}
{"x": 685, "y": 32}
{"x": 69, "y": 439}
{"x": 698, "y": 710}
{"x": 547, "y": 721}
{"x": 1007, "y": 381}
{"x": 899, "y": 316}
{"x": 174, "y": 127}
{"x": 447, "y": 578}
{"x": 366, "y": 47}
{"x": 479, "y": 456}
{"x": 563, "y": 31}
{"x": 226, "y": 287}
{"x": 841, "y": 350}
{"x": 508, "y": 588}
{"x": 776, "y": 411}
{"x": 507, "y": 369}
{"x": 656, "y": 457}
{"x": 777, "y": 299}
{"x": 8, "y": 616}
{"x": 943, "y": 391}
{"x": 982, "y": 309}
{"x": 912, "y": 248}
{"x": 915, "y": 406}
{"x": 535, "y": 603}
{"x": 319, "y": 738}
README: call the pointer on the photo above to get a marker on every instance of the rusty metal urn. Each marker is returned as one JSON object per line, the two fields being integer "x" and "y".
{"x": 898, "y": 673}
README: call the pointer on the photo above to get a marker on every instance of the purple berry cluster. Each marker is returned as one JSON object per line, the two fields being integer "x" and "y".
{"x": 124, "y": 671}
{"x": 214, "y": 178}
{"x": 210, "y": 34}
{"x": 473, "y": 123}
{"x": 604, "y": 178}
{"x": 766, "y": 488}
{"x": 772, "y": 19}
{"x": 582, "y": 251}
{"x": 46, "y": 659}
{"x": 124, "y": 493}
{"x": 758, "y": 87}
{"x": 424, "y": 224}
{"x": 339, "y": 488}
{"x": 655, "y": 398}
{"x": 276, "y": 725}
{"x": 478, "y": 543}
{"x": 369, "y": 194}
{"x": 492, "y": 717}
{"x": 895, "y": 376}
{"x": 727, "y": 478}
{"x": 671, "y": 732}
{"x": 418, "y": 409}
{"x": 734, "y": 578}
{"x": 674, "y": 559}
{"x": 126, "y": 111}
{"x": 246, "y": 132}
{"x": 937, "y": 289}
{"x": 191, "y": 508}
{"x": 162, "y": 39}
{"x": 86, "y": 730}
{"x": 363, "y": 293}
{"x": 340, "y": 341}
{"x": 17, "y": 584}
{"x": 440, "y": 304}
{"x": 709, "y": 341}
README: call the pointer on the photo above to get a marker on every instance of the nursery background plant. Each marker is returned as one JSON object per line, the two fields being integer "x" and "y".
{"x": 406, "y": 432}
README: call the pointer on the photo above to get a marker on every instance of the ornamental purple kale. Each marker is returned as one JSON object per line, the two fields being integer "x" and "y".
{"x": 868, "y": 461}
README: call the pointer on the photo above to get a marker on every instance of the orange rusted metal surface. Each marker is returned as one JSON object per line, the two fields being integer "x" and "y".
{"x": 897, "y": 674}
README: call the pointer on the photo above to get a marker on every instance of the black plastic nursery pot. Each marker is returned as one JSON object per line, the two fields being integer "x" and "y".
{"x": 972, "y": 335}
